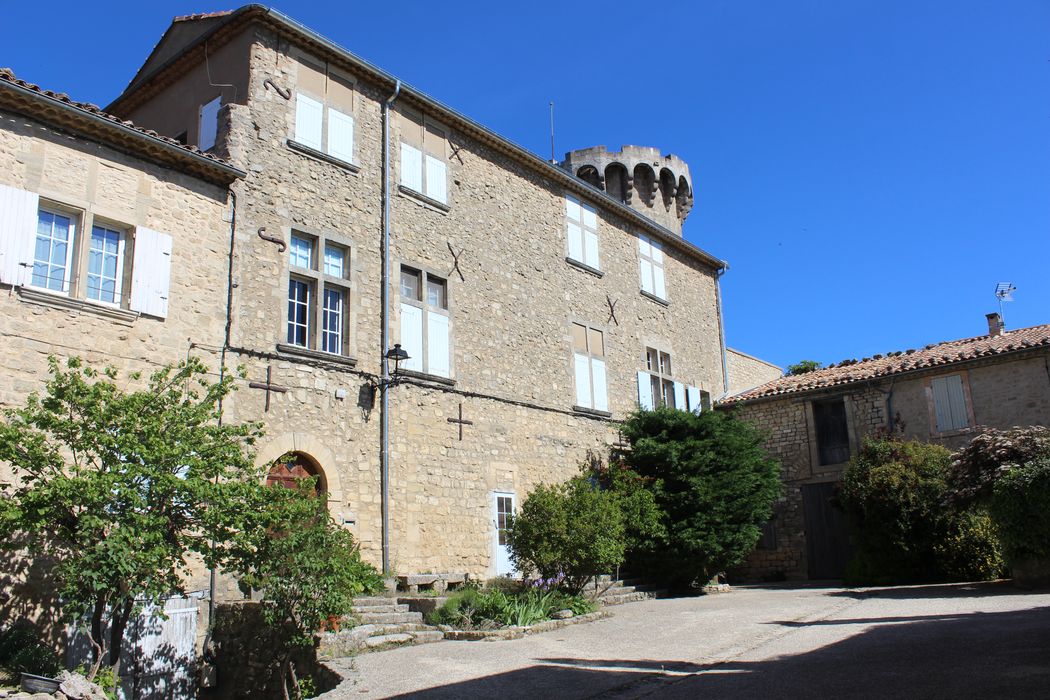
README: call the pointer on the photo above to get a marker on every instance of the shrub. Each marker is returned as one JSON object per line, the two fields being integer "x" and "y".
{"x": 894, "y": 494}
{"x": 989, "y": 456}
{"x": 570, "y": 532}
{"x": 471, "y": 608}
{"x": 1020, "y": 506}
{"x": 712, "y": 484}
{"x": 22, "y": 651}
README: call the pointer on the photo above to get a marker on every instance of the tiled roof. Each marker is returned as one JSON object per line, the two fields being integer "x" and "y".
{"x": 8, "y": 76}
{"x": 202, "y": 15}
{"x": 931, "y": 356}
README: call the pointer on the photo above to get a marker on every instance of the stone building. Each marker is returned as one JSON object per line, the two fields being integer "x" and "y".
{"x": 942, "y": 393}
{"x": 537, "y": 306}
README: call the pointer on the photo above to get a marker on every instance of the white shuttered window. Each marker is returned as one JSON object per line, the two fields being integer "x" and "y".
{"x": 18, "y": 224}
{"x": 949, "y": 403}
{"x": 588, "y": 359}
{"x": 581, "y": 229}
{"x": 651, "y": 267}
{"x": 324, "y": 109}
{"x": 424, "y": 161}
{"x": 425, "y": 331}
{"x": 151, "y": 272}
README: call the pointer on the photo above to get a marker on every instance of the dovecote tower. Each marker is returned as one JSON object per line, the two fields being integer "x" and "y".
{"x": 656, "y": 185}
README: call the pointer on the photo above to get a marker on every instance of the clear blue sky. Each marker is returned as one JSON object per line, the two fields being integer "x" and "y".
{"x": 870, "y": 169}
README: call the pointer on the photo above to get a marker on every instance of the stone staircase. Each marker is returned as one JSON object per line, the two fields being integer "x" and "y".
{"x": 608, "y": 590}
{"x": 379, "y": 622}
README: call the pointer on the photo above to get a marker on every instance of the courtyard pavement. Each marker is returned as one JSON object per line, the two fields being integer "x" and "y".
{"x": 947, "y": 641}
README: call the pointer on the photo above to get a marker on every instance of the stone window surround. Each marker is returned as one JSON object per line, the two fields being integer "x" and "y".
{"x": 571, "y": 359}
{"x": 318, "y": 280}
{"x": 811, "y": 433}
{"x": 927, "y": 384}
{"x": 395, "y": 292}
{"x": 410, "y": 116}
{"x": 302, "y": 58}
{"x": 665, "y": 349}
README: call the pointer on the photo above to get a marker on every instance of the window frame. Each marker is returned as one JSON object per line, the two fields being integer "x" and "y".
{"x": 422, "y": 303}
{"x": 327, "y": 104}
{"x": 123, "y": 234}
{"x": 69, "y": 275}
{"x": 661, "y": 377}
{"x": 819, "y": 448}
{"x": 652, "y": 263}
{"x": 931, "y": 402}
{"x": 319, "y": 282}
{"x": 583, "y": 229}
{"x": 590, "y": 356}
{"x": 411, "y": 121}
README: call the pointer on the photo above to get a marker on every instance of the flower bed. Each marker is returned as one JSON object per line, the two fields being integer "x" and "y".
{"x": 506, "y": 604}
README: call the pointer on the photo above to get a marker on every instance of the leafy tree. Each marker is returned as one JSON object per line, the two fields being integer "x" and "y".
{"x": 569, "y": 532}
{"x": 1020, "y": 506}
{"x": 990, "y": 455}
{"x": 713, "y": 484}
{"x": 120, "y": 487}
{"x": 306, "y": 566}
{"x": 642, "y": 519}
{"x": 802, "y": 367}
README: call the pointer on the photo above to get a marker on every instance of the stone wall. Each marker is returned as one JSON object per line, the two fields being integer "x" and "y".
{"x": 747, "y": 372}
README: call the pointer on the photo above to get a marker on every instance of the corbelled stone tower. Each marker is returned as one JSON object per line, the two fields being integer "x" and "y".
{"x": 656, "y": 185}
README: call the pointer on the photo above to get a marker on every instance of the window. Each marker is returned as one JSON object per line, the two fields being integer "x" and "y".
{"x": 657, "y": 387}
{"x": 588, "y": 356}
{"x": 425, "y": 322}
{"x": 208, "y": 124}
{"x": 651, "y": 266}
{"x": 324, "y": 107}
{"x": 424, "y": 165}
{"x": 43, "y": 246}
{"x": 581, "y": 228}
{"x": 322, "y": 328}
{"x": 829, "y": 418}
{"x": 950, "y": 407}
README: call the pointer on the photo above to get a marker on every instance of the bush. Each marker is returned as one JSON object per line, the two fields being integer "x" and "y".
{"x": 989, "y": 456}
{"x": 1020, "y": 506}
{"x": 894, "y": 493}
{"x": 22, "y": 651}
{"x": 567, "y": 532}
{"x": 712, "y": 484}
{"x": 471, "y": 608}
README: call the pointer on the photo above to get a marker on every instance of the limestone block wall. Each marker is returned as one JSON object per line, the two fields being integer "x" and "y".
{"x": 747, "y": 372}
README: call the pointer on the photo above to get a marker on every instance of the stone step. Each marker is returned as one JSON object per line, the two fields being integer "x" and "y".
{"x": 389, "y": 617}
{"x": 630, "y": 597}
{"x": 387, "y": 639}
{"x": 427, "y": 636}
{"x": 389, "y": 606}
{"x": 615, "y": 590}
{"x": 374, "y": 600}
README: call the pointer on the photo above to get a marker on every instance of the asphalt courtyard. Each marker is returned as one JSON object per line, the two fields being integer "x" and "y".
{"x": 948, "y": 641}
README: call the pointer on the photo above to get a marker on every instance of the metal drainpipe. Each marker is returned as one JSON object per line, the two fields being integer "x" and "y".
{"x": 722, "y": 333}
{"x": 384, "y": 382}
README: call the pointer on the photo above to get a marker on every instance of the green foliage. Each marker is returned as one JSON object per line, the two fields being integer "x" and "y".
{"x": 802, "y": 367}
{"x": 642, "y": 518}
{"x": 307, "y": 687}
{"x": 22, "y": 651}
{"x": 119, "y": 486}
{"x": 979, "y": 465}
{"x": 491, "y": 608}
{"x": 894, "y": 494}
{"x": 712, "y": 484}
{"x": 105, "y": 679}
{"x": 570, "y": 532}
{"x": 1020, "y": 506}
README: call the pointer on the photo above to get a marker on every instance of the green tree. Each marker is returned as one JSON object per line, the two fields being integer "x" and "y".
{"x": 802, "y": 367}
{"x": 713, "y": 483}
{"x": 567, "y": 532}
{"x": 121, "y": 487}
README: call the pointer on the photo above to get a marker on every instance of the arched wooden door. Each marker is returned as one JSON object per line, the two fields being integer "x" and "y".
{"x": 289, "y": 469}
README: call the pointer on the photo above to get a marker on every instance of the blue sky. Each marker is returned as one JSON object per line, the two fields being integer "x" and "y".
{"x": 869, "y": 169}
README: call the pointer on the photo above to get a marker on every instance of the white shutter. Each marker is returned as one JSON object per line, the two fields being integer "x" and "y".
{"x": 657, "y": 252}
{"x": 208, "y": 124}
{"x": 644, "y": 248}
{"x": 590, "y": 248}
{"x": 437, "y": 181}
{"x": 575, "y": 240}
{"x": 582, "y": 368}
{"x": 601, "y": 391}
{"x": 340, "y": 135}
{"x": 437, "y": 344}
{"x": 411, "y": 167}
{"x": 151, "y": 272}
{"x": 412, "y": 336}
{"x": 693, "y": 395}
{"x": 309, "y": 114}
{"x": 941, "y": 403}
{"x": 572, "y": 208}
{"x": 957, "y": 402}
{"x": 646, "y": 270}
{"x": 18, "y": 219}
{"x": 590, "y": 219}
{"x": 645, "y": 391}
{"x": 679, "y": 396}
{"x": 658, "y": 281}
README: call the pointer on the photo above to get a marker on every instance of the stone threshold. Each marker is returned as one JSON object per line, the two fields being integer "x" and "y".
{"x": 516, "y": 632}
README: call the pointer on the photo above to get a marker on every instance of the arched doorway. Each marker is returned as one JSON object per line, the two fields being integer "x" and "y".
{"x": 290, "y": 468}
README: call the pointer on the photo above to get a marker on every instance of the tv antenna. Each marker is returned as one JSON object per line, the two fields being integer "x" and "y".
{"x": 1004, "y": 292}
{"x": 553, "y": 159}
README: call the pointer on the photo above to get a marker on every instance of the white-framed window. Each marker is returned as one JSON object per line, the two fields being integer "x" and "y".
{"x": 657, "y": 386}
{"x": 208, "y": 124}
{"x": 324, "y": 111}
{"x": 651, "y": 267}
{"x": 318, "y": 275}
{"x": 950, "y": 405}
{"x": 43, "y": 245}
{"x": 581, "y": 230}
{"x": 588, "y": 361}
{"x": 424, "y": 156}
{"x": 425, "y": 322}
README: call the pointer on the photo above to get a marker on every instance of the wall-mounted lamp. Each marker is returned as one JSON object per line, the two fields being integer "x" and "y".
{"x": 398, "y": 355}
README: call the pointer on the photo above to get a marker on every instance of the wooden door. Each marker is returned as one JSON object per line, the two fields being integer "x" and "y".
{"x": 828, "y": 547}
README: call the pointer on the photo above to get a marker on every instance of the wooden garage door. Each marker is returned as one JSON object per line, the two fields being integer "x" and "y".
{"x": 827, "y": 539}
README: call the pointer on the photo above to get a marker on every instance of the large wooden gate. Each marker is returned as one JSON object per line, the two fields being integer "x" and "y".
{"x": 827, "y": 538}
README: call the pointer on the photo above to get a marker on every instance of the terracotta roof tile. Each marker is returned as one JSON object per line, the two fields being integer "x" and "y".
{"x": 8, "y": 76}
{"x": 937, "y": 355}
{"x": 202, "y": 15}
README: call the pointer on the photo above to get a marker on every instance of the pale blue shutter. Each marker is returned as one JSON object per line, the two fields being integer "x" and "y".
{"x": 590, "y": 243}
{"x": 658, "y": 271}
{"x": 437, "y": 180}
{"x": 956, "y": 402}
{"x": 340, "y": 135}
{"x": 679, "y": 396}
{"x": 645, "y": 391}
{"x": 411, "y": 167}
{"x": 208, "y": 124}
{"x": 18, "y": 220}
{"x": 645, "y": 266}
{"x": 309, "y": 115}
{"x": 582, "y": 370}
{"x": 437, "y": 344}
{"x": 941, "y": 408}
{"x": 575, "y": 235}
{"x": 412, "y": 336}
{"x": 692, "y": 394}
{"x": 601, "y": 391}
{"x": 151, "y": 272}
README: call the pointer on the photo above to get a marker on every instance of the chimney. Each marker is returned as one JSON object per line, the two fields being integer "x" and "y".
{"x": 995, "y": 324}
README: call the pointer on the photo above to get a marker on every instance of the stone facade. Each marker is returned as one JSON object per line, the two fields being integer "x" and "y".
{"x": 511, "y": 302}
{"x": 746, "y": 372}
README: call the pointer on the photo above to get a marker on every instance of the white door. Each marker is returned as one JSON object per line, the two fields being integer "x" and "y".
{"x": 503, "y": 510}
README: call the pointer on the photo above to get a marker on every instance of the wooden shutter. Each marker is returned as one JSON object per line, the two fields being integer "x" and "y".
{"x": 601, "y": 391}
{"x": 412, "y": 336}
{"x": 411, "y": 167}
{"x": 658, "y": 269}
{"x": 151, "y": 272}
{"x": 309, "y": 114}
{"x": 437, "y": 180}
{"x": 692, "y": 394}
{"x": 590, "y": 249}
{"x": 646, "y": 271}
{"x": 582, "y": 369}
{"x": 18, "y": 219}
{"x": 949, "y": 403}
{"x": 437, "y": 344}
{"x": 575, "y": 235}
{"x": 645, "y": 391}
{"x": 209, "y": 124}
{"x": 679, "y": 396}
{"x": 340, "y": 135}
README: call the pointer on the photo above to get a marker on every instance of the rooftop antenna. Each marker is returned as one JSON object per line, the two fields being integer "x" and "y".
{"x": 1004, "y": 292}
{"x": 553, "y": 160}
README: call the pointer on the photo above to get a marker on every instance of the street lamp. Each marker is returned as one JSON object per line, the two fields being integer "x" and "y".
{"x": 398, "y": 355}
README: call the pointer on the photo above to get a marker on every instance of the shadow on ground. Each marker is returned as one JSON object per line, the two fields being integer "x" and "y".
{"x": 986, "y": 655}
